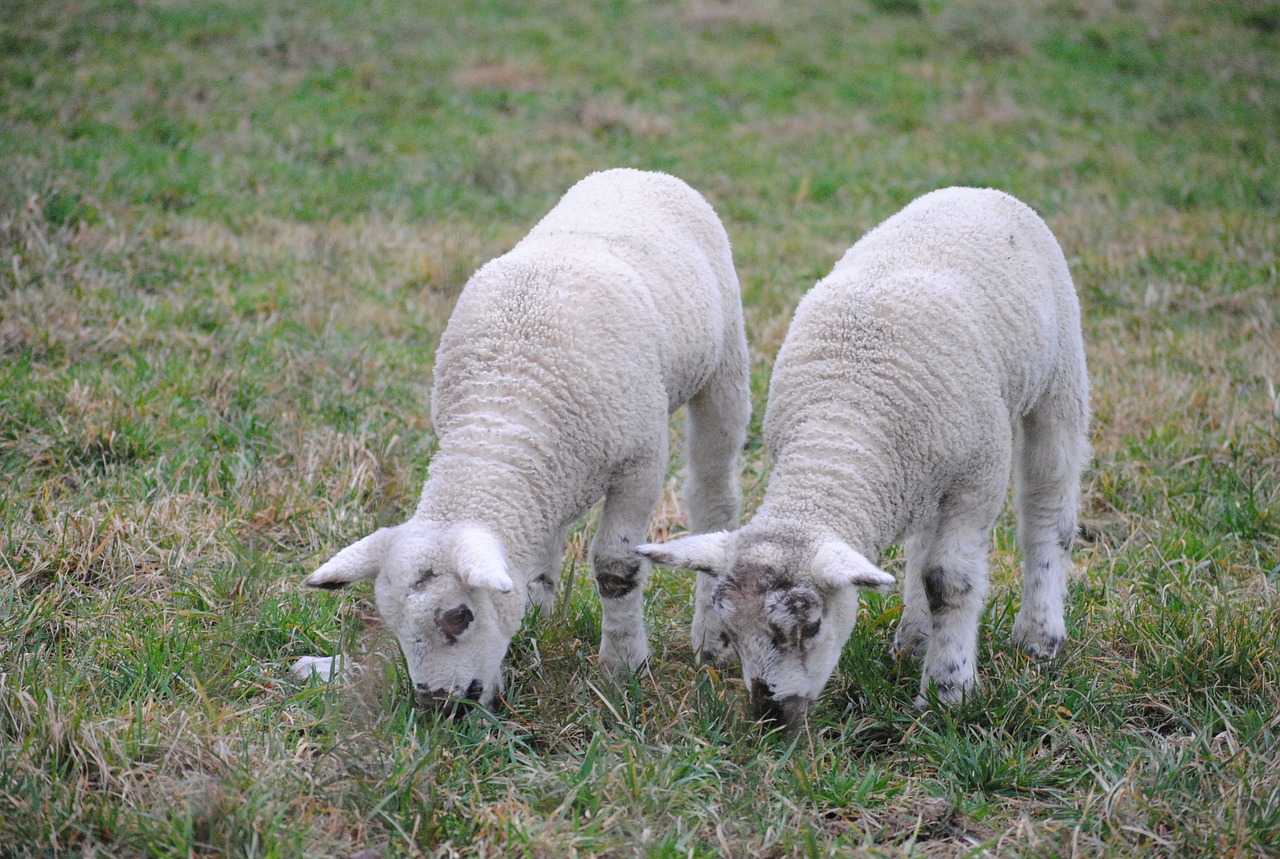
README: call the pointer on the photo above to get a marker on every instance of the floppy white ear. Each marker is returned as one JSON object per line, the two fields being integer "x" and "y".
{"x": 481, "y": 562}
{"x": 361, "y": 560}
{"x": 705, "y": 553}
{"x": 841, "y": 565}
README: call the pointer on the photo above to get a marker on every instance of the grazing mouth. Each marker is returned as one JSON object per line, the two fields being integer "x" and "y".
{"x": 789, "y": 711}
{"x": 447, "y": 703}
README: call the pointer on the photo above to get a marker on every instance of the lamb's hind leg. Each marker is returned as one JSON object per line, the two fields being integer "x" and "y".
{"x": 717, "y": 428}
{"x": 620, "y": 572}
{"x": 1052, "y": 449}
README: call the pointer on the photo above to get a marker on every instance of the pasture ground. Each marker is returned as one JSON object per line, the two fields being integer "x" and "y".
{"x": 230, "y": 234}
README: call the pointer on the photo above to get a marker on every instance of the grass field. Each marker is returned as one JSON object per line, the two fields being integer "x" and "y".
{"x": 231, "y": 232}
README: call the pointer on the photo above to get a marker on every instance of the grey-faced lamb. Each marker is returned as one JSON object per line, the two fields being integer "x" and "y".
{"x": 942, "y": 352}
{"x": 554, "y": 381}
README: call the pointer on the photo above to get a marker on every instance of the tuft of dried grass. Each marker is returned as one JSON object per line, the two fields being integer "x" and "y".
{"x": 504, "y": 76}
{"x": 984, "y": 104}
{"x": 602, "y": 116}
{"x": 741, "y": 14}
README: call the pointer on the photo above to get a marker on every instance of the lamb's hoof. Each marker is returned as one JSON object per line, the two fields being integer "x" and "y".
{"x": 720, "y": 658}
{"x": 1041, "y": 641}
{"x": 945, "y": 694}
{"x": 715, "y": 648}
{"x": 910, "y": 642}
{"x": 620, "y": 660}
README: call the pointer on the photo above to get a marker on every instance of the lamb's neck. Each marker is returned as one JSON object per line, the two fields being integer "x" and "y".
{"x": 838, "y": 487}
{"x": 503, "y": 493}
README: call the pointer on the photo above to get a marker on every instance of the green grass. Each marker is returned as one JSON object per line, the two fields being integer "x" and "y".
{"x": 231, "y": 234}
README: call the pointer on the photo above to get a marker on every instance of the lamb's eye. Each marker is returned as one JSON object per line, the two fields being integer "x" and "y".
{"x": 424, "y": 576}
{"x": 809, "y": 630}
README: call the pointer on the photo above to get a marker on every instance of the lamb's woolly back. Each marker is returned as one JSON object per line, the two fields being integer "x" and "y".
{"x": 940, "y": 326}
{"x": 943, "y": 349}
{"x": 554, "y": 381}
{"x": 543, "y": 343}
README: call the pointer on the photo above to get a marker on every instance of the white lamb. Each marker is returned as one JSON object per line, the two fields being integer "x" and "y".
{"x": 944, "y": 347}
{"x": 554, "y": 381}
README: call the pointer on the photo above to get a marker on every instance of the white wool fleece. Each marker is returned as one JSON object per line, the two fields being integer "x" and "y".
{"x": 942, "y": 351}
{"x": 554, "y": 380}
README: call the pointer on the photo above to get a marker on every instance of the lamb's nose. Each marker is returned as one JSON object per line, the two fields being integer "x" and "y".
{"x": 788, "y": 712}
{"x": 446, "y": 703}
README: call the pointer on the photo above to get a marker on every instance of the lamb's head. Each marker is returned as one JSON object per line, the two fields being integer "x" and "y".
{"x": 446, "y": 594}
{"x": 788, "y": 606}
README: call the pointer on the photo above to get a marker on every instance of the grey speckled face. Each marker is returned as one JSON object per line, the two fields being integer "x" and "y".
{"x": 788, "y": 631}
{"x": 785, "y": 601}
{"x": 774, "y": 631}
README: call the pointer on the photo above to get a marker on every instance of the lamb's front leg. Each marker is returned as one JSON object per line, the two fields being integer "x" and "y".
{"x": 620, "y": 572}
{"x": 718, "y": 417}
{"x": 916, "y": 623}
{"x": 955, "y": 587}
{"x": 546, "y": 576}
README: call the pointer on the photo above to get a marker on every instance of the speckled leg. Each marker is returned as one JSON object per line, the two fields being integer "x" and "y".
{"x": 954, "y": 581}
{"x": 912, "y": 634}
{"x": 620, "y": 572}
{"x": 708, "y": 635}
{"x": 717, "y": 428}
{"x": 546, "y": 579}
{"x": 1051, "y": 453}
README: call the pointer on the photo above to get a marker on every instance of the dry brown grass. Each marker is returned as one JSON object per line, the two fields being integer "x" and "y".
{"x": 507, "y": 75}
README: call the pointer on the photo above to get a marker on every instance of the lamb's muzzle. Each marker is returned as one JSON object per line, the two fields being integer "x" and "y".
{"x": 447, "y": 703}
{"x": 788, "y": 712}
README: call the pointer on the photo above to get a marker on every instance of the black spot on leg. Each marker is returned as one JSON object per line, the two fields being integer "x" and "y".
{"x": 941, "y": 592}
{"x": 934, "y": 582}
{"x": 617, "y": 577}
{"x": 330, "y": 586}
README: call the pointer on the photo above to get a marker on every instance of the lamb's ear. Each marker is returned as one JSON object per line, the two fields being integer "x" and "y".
{"x": 361, "y": 560}
{"x": 705, "y": 553}
{"x": 839, "y": 564}
{"x": 481, "y": 561}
